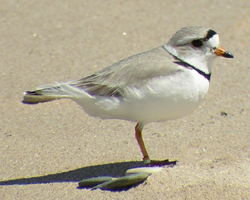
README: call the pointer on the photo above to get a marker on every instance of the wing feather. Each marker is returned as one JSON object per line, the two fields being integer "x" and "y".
{"x": 135, "y": 71}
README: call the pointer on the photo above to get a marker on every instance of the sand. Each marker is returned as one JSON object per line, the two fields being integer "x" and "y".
{"x": 45, "y": 149}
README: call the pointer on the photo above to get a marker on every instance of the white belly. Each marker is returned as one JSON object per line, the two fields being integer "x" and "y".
{"x": 162, "y": 99}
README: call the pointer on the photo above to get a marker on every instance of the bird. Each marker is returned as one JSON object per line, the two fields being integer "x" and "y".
{"x": 161, "y": 84}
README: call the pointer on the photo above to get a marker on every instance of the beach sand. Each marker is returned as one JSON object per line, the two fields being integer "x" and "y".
{"x": 47, "y": 148}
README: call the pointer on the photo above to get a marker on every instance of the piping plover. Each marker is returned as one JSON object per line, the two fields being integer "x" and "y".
{"x": 164, "y": 83}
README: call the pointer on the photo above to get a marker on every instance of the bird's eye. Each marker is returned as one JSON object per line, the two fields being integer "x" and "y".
{"x": 197, "y": 43}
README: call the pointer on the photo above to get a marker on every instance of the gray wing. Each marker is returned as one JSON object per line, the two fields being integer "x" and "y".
{"x": 135, "y": 71}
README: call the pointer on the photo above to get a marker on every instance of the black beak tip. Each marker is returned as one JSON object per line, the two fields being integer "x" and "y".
{"x": 227, "y": 54}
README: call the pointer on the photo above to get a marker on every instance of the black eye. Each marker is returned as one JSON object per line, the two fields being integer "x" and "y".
{"x": 197, "y": 43}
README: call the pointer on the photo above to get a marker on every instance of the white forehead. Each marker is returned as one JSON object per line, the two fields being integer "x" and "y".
{"x": 214, "y": 41}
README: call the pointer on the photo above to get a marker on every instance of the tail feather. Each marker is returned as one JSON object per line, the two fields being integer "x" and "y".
{"x": 48, "y": 92}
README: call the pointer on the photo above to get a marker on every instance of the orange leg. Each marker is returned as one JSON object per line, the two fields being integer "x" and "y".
{"x": 146, "y": 159}
{"x": 139, "y": 139}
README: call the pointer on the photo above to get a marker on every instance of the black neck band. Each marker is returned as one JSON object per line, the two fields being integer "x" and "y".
{"x": 207, "y": 76}
{"x": 185, "y": 64}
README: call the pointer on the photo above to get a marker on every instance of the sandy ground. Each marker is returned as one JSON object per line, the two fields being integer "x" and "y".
{"x": 45, "y": 149}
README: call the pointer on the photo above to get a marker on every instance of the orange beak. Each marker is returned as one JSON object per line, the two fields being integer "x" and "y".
{"x": 222, "y": 52}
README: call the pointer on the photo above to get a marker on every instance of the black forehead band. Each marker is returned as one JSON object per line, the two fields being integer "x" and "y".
{"x": 210, "y": 34}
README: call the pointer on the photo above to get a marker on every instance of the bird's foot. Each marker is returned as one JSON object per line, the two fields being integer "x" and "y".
{"x": 149, "y": 162}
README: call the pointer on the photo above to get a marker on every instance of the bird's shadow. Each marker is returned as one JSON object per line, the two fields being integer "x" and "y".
{"x": 76, "y": 175}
